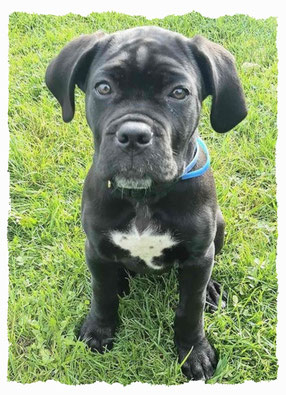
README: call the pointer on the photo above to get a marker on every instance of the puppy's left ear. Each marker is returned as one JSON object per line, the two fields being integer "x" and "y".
{"x": 69, "y": 68}
{"x": 219, "y": 79}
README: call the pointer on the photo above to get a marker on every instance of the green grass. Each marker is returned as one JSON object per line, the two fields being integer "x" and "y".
{"x": 49, "y": 281}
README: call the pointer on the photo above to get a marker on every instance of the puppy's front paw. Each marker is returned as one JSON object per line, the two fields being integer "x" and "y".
{"x": 201, "y": 363}
{"x": 98, "y": 338}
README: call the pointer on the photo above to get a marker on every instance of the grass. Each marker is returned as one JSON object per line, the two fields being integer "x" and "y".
{"x": 49, "y": 282}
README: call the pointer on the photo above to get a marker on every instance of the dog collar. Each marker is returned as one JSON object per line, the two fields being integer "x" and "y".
{"x": 188, "y": 173}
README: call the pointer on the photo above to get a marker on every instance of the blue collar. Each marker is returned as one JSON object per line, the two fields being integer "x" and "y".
{"x": 199, "y": 172}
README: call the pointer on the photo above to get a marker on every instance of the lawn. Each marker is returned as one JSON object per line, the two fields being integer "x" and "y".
{"x": 50, "y": 290}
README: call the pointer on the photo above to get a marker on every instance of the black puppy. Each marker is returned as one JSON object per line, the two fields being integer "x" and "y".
{"x": 144, "y": 90}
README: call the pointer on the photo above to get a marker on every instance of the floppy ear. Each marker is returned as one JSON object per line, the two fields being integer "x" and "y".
{"x": 220, "y": 79}
{"x": 70, "y": 67}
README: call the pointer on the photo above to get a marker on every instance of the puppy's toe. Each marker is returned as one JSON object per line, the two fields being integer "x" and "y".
{"x": 98, "y": 338}
{"x": 99, "y": 345}
{"x": 196, "y": 372}
{"x": 201, "y": 363}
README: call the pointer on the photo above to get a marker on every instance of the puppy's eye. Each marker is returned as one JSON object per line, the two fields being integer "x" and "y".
{"x": 103, "y": 88}
{"x": 179, "y": 93}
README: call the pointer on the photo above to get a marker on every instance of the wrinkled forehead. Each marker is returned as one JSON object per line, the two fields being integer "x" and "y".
{"x": 146, "y": 50}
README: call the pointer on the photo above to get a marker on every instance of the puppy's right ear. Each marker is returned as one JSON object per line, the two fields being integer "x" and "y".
{"x": 70, "y": 67}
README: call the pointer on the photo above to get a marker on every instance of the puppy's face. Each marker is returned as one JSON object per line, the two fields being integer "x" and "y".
{"x": 143, "y": 104}
{"x": 144, "y": 88}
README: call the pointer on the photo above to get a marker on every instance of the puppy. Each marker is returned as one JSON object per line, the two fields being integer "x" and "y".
{"x": 149, "y": 199}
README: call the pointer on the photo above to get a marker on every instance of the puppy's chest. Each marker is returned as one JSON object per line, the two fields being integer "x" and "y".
{"x": 144, "y": 239}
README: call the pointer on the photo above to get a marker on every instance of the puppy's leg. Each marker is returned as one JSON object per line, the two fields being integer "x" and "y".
{"x": 99, "y": 326}
{"x": 213, "y": 295}
{"x": 189, "y": 320}
{"x": 214, "y": 288}
{"x": 124, "y": 276}
{"x": 220, "y": 227}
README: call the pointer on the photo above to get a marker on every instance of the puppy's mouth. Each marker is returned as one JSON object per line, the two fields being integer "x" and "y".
{"x": 140, "y": 188}
{"x": 133, "y": 183}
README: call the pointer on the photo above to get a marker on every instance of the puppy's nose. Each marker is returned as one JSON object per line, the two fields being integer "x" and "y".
{"x": 134, "y": 135}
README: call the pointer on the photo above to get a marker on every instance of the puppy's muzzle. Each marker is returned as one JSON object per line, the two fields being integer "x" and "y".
{"x": 134, "y": 136}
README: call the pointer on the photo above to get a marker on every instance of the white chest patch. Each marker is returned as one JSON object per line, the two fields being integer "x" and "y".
{"x": 146, "y": 245}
